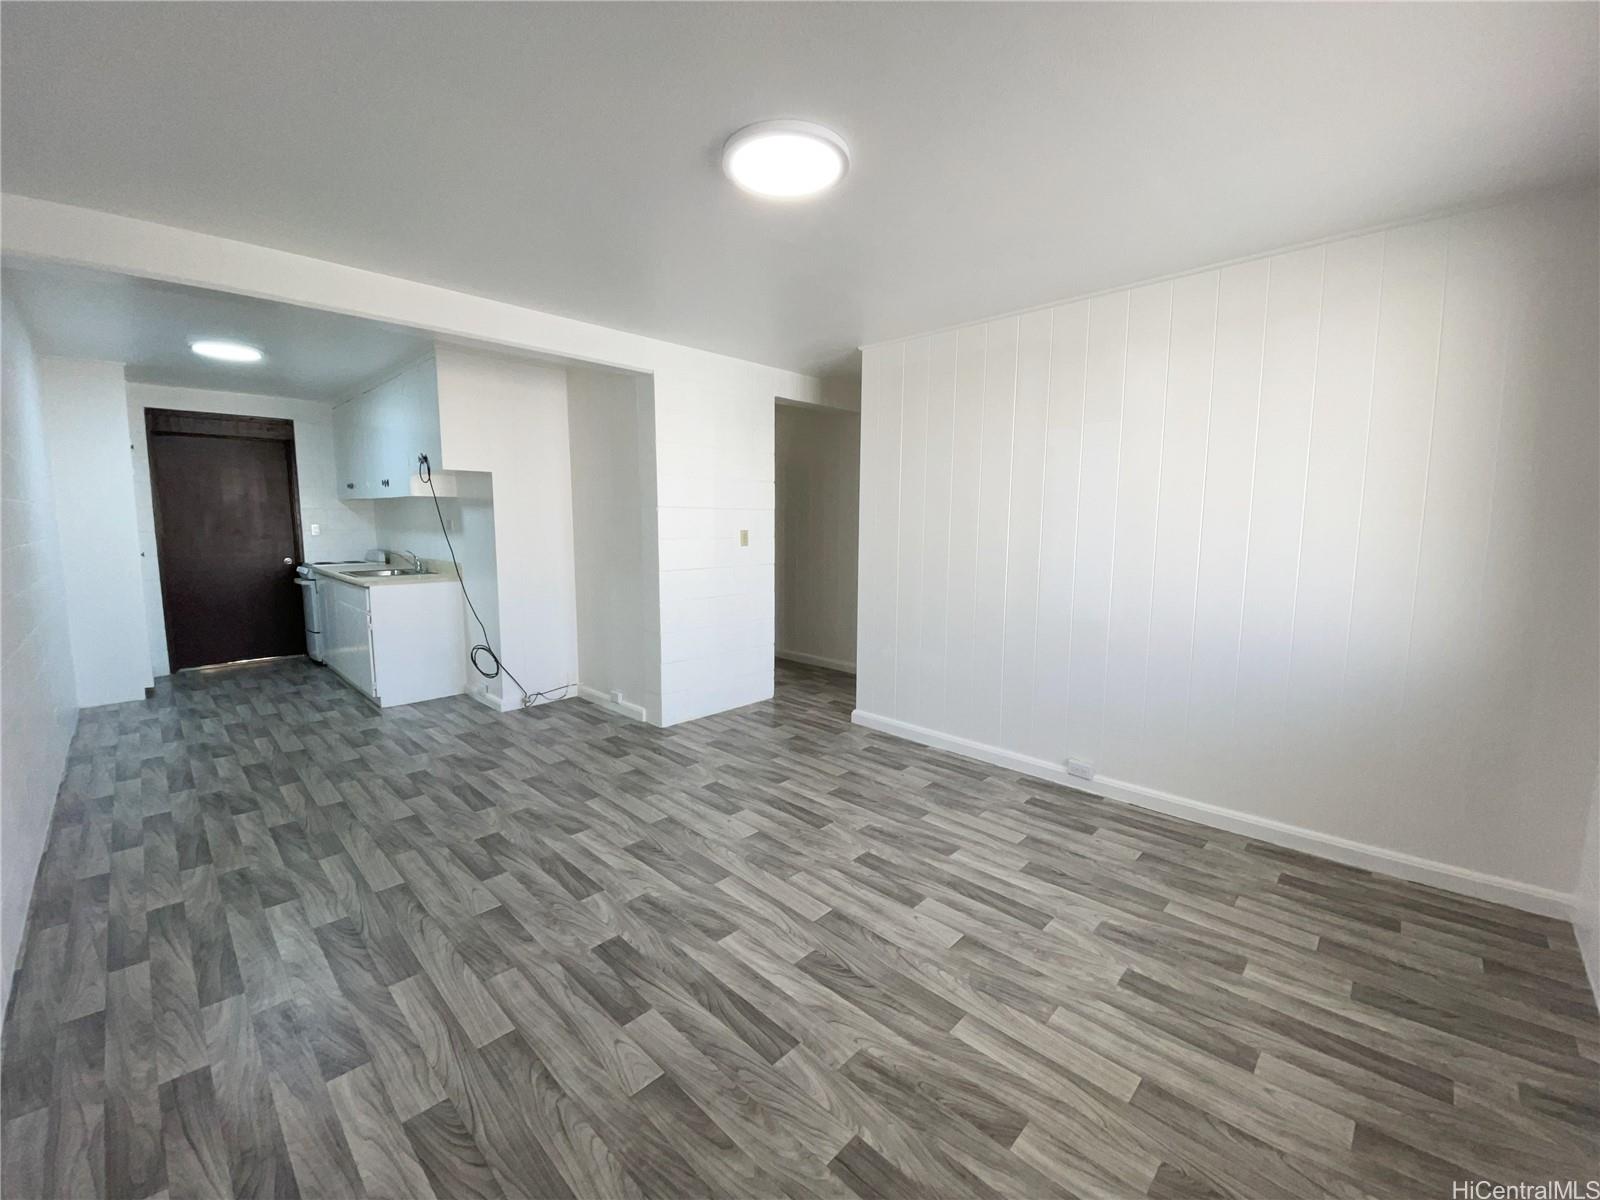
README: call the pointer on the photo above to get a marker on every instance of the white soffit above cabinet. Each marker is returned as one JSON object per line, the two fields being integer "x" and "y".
{"x": 565, "y": 157}
{"x": 148, "y": 325}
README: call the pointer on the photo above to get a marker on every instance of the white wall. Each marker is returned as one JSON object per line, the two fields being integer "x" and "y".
{"x": 345, "y": 527}
{"x": 508, "y": 417}
{"x": 818, "y": 455}
{"x": 714, "y": 478}
{"x": 411, "y": 523}
{"x": 1309, "y": 540}
{"x": 1586, "y": 902}
{"x": 91, "y": 469}
{"x": 38, "y": 707}
{"x": 612, "y": 422}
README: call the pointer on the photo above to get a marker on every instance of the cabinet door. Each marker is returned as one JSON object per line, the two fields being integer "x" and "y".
{"x": 349, "y": 634}
{"x": 401, "y": 419}
{"x": 387, "y": 428}
{"x": 346, "y": 449}
{"x": 389, "y": 447}
{"x": 372, "y": 422}
{"x": 391, "y": 420}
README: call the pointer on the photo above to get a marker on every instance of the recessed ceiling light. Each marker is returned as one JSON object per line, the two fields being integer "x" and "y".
{"x": 234, "y": 352}
{"x": 785, "y": 160}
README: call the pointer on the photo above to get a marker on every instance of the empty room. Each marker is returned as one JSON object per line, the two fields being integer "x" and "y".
{"x": 785, "y": 600}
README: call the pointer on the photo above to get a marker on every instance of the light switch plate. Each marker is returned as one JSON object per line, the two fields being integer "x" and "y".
{"x": 316, "y": 530}
{"x": 744, "y": 537}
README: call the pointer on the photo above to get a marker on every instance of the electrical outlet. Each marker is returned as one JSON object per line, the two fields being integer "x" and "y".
{"x": 1080, "y": 768}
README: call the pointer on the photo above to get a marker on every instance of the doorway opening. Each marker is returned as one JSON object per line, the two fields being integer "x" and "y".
{"x": 817, "y": 459}
{"x": 225, "y": 495}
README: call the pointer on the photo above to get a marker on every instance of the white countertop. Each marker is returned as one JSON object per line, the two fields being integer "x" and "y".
{"x": 342, "y": 572}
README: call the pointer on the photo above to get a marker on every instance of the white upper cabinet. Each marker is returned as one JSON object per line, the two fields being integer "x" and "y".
{"x": 347, "y": 443}
{"x": 379, "y": 434}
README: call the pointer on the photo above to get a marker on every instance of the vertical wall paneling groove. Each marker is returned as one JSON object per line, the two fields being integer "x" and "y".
{"x": 1232, "y": 440}
{"x": 1298, "y": 543}
{"x": 1283, "y": 463}
{"x": 1341, "y": 408}
{"x": 962, "y": 586}
{"x": 913, "y": 520}
{"x": 1225, "y": 731}
{"x": 1094, "y": 558}
{"x": 1131, "y": 593}
{"x": 1058, "y": 533}
{"x": 1184, "y": 710}
{"x": 881, "y": 376}
{"x": 928, "y": 704}
{"x": 1396, "y": 470}
{"x": 993, "y": 527}
{"x": 1180, "y": 502}
{"x": 1029, "y": 453}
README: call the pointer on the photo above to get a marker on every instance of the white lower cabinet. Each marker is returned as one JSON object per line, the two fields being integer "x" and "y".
{"x": 399, "y": 643}
{"x": 349, "y": 634}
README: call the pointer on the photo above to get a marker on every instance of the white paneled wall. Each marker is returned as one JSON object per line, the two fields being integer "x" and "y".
{"x": 91, "y": 470}
{"x": 1304, "y": 545}
{"x": 612, "y": 421}
{"x": 344, "y": 528}
{"x": 38, "y": 710}
{"x": 714, "y": 479}
{"x": 411, "y": 523}
{"x": 818, "y": 459}
{"x": 508, "y": 417}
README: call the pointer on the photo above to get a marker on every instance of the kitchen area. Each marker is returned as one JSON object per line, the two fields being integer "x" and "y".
{"x": 418, "y": 517}
{"x": 391, "y": 624}
{"x": 393, "y": 633}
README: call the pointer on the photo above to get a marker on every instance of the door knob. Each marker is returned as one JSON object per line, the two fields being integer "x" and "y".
{"x": 287, "y": 561}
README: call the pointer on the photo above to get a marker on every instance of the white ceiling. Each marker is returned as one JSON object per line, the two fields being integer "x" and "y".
{"x": 309, "y": 355}
{"x": 565, "y": 156}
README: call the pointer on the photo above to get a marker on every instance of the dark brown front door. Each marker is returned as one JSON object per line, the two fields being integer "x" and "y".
{"x": 227, "y": 536}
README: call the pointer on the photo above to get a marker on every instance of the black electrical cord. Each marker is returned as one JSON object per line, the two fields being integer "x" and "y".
{"x": 425, "y": 470}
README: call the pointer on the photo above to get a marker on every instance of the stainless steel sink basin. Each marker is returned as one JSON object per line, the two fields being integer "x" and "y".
{"x": 387, "y": 571}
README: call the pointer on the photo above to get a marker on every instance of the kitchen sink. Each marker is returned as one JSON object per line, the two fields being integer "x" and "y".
{"x": 387, "y": 571}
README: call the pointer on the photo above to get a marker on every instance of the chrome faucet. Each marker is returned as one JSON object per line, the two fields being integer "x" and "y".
{"x": 416, "y": 563}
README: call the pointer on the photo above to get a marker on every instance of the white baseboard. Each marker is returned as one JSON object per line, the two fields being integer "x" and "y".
{"x": 1497, "y": 889}
{"x": 623, "y": 708}
{"x": 817, "y": 660}
{"x": 507, "y": 702}
{"x": 488, "y": 699}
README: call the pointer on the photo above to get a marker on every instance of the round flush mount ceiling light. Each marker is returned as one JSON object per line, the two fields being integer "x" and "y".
{"x": 785, "y": 160}
{"x": 233, "y": 352}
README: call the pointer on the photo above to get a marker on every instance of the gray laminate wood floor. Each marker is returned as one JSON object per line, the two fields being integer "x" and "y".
{"x": 282, "y": 945}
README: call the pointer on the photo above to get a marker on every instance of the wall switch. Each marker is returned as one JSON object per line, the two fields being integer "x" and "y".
{"x": 744, "y": 537}
{"x": 316, "y": 530}
{"x": 1080, "y": 768}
